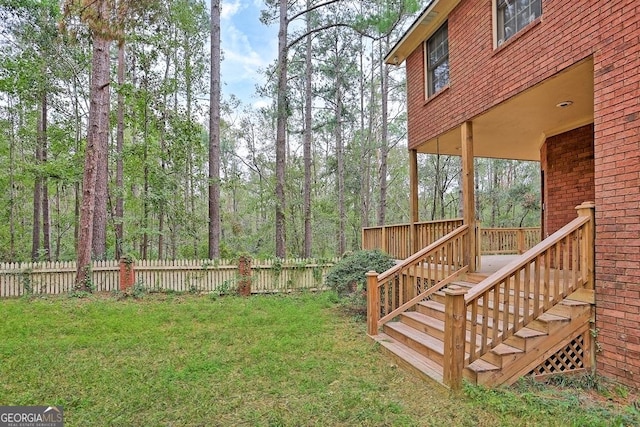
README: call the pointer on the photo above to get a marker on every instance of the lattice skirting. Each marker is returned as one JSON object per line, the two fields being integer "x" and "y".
{"x": 572, "y": 357}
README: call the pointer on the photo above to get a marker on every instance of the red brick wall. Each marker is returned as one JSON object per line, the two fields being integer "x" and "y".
{"x": 567, "y": 162}
{"x": 617, "y": 179}
{"x": 481, "y": 77}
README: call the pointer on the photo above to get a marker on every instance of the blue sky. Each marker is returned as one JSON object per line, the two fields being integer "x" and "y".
{"x": 248, "y": 47}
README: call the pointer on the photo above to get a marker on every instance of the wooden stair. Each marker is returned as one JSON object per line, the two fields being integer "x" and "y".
{"x": 416, "y": 340}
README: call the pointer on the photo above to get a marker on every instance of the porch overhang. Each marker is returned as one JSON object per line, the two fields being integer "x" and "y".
{"x": 517, "y": 127}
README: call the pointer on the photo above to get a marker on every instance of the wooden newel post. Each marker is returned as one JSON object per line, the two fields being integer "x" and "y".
{"x": 373, "y": 303}
{"x": 587, "y": 251}
{"x": 521, "y": 241}
{"x": 244, "y": 271}
{"x": 127, "y": 274}
{"x": 454, "y": 336}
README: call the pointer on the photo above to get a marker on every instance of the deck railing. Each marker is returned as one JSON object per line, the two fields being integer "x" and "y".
{"x": 416, "y": 278}
{"x": 503, "y": 241}
{"x": 509, "y": 299}
{"x": 396, "y": 239}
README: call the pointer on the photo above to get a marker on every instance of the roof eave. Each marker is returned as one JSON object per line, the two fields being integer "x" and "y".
{"x": 425, "y": 24}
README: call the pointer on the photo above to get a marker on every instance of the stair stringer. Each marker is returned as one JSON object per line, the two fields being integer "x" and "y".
{"x": 521, "y": 364}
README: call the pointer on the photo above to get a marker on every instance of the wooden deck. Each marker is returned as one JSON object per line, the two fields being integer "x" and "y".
{"x": 491, "y": 263}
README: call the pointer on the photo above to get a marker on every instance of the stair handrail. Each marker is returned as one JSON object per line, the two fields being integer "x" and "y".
{"x": 527, "y": 257}
{"x": 447, "y": 253}
{"x": 571, "y": 247}
{"x": 421, "y": 253}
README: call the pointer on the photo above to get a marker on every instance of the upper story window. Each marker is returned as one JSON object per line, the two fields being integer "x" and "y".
{"x": 514, "y": 15}
{"x": 438, "y": 60}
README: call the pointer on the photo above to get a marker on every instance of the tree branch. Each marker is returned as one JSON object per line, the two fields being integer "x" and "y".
{"x": 312, "y": 8}
{"x": 316, "y": 30}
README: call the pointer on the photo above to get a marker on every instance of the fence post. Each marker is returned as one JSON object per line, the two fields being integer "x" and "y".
{"x": 454, "y": 336}
{"x": 127, "y": 273}
{"x": 244, "y": 270}
{"x": 364, "y": 242}
{"x": 373, "y": 303}
{"x": 383, "y": 241}
{"x": 588, "y": 243}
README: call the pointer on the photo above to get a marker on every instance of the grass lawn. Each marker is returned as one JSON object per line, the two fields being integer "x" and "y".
{"x": 295, "y": 360}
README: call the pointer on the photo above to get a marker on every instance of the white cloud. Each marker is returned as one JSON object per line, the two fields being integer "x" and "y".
{"x": 240, "y": 56}
{"x": 230, "y": 8}
{"x": 248, "y": 47}
{"x": 262, "y": 103}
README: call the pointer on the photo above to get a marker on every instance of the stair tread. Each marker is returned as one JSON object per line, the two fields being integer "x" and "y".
{"x": 436, "y": 324}
{"x": 529, "y": 333}
{"x": 521, "y": 311}
{"x": 412, "y": 357}
{"x": 464, "y": 284}
{"x": 440, "y": 307}
{"x": 423, "y": 318}
{"x": 414, "y": 334}
{"x": 475, "y": 277}
{"x": 480, "y": 365}
{"x": 548, "y": 317}
{"x": 502, "y": 349}
{"x": 433, "y": 304}
{"x": 574, "y": 303}
{"x": 584, "y": 295}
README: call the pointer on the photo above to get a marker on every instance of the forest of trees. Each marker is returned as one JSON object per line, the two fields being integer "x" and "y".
{"x": 299, "y": 178}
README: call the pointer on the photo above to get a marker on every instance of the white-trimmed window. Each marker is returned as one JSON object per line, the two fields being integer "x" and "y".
{"x": 513, "y": 15}
{"x": 437, "y": 50}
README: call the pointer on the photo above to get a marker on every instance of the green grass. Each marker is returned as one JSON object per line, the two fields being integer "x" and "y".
{"x": 184, "y": 360}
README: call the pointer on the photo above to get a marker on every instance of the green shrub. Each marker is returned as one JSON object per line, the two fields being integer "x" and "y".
{"x": 349, "y": 274}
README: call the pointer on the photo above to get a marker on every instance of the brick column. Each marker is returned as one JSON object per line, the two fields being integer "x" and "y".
{"x": 244, "y": 271}
{"x": 127, "y": 274}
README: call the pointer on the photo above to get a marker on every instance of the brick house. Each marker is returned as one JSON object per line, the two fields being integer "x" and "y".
{"x": 553, "y": 81}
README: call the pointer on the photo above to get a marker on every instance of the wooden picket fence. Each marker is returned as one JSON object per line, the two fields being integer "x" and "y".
{"x": 217, "y": 276}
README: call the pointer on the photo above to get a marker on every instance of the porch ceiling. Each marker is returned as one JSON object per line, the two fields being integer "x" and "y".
{"x": 517, "y": 127}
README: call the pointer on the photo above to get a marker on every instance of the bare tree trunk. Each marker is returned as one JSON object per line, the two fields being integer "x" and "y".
{"x": 461, "y": 196}
{"x": 98, "y": 123}
{"x": 119, "y": 217}
{"x": 58, "y": 228}
{"x": 76, "y": 185}
{"x": 99, "y": 240}
{"x": 164, "y": 155}
{"x": 342, "y": 214}
{"x": 214, "y": 134}
{"x": 46, "y": 220}
{"x": 494, "y": 191}
{"x": 37, "y": 201}
{"x": 190, "y": 161}
{"x": 442, "y": 191}
{"x": 436, "y": 188}
{"x": 37, "y": 196}
{"x": 476, "y": 172}
{"x": 308, "y": 102}
{"x": 12, "y": 191}
{"x": 342, "y": 242}
{"x": 281, "y": 127}
{"x": 145, "y": 198}
{"x": 366, "y": 153}
{"x": 384, "y": 142}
